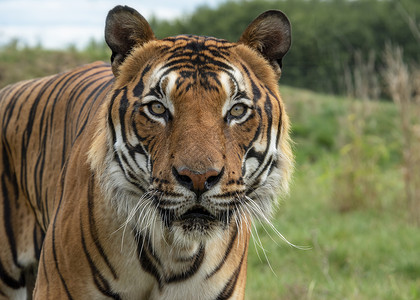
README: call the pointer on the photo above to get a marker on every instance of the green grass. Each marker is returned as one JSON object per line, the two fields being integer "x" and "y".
{"x": 367, "y": 252}
{"x": 363, "y": 254}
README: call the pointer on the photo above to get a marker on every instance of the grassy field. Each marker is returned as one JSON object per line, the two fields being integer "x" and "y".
{"x": 347, "y": 201}
{"x": 362, "y": 245}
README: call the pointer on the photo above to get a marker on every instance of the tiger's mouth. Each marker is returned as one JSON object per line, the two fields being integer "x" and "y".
{"x": 197, "y": 213}
{"x": 197, "y": 223}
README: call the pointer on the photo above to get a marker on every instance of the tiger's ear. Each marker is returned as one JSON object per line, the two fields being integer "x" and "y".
{"x": 125, "y": 28}
{"x": 269, "y": 34}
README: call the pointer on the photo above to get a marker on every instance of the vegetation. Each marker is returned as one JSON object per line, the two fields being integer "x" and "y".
{"x": 19, "y": 62}
{"x": 347, "y": 205}
{"x": 355, "y": 198}
{"x": 404, "y": 86}
{"x": 325, "y": 34}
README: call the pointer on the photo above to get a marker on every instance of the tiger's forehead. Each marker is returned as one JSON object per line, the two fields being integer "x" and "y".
{"x": 193, "y": 44}
{"x": 196, "y": 61}
{"x": 193, "y": 55}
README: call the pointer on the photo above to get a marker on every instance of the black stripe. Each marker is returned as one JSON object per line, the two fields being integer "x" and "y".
{"x": 93, "y": 96}
{"x": 38, "y": 179}
{"x": 120, "y": 157}
{"x": 38, "y": 239}
{"x": 9, "y": 280}
{"x": 273, "y": 166}
{"x": 228, "y": 249}
{"x": 280, "y": 116}
{"x": 101, "y": 283}
{"x": 83, "y": 85}
{"x": 4, "y": 275}
{"x": 110, "y": 122}
{"x": 114, "y": 135}
{"x": 99, "y": 85}
{"x": 189, "y": 37}
{"x": 136, "y": 133}
{"x": 129, "y": 172}
{"x": 144, "y": 254}
{"x": 257, "y": 132}
{"x": 129, "y": 175}
{"x": 66, "y": 85}
{"x": 198, "y": 260}
{"x": 122, "y": 110}
{"x": 66, "y": 80}
{"x": 43, "y": 128}
{"x": 139, "y": 88}
{"x": 257, "y": 181}
{"x": 7, "y": 222}
{"x": 137, "y": 149}
{"x": 94, "y": 230}
{"x": 227, "y": 291}
{"x": 19, "y": 90}
{"x": 255, "y": 90}
{"x": 279, "y": 127}
{"x": 63, "y": 176}
{"x": 27, "y": 134}
{"x": 261, "y": 156}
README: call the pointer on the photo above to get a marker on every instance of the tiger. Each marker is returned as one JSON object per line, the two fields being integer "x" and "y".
{"x": 141, "y": 179}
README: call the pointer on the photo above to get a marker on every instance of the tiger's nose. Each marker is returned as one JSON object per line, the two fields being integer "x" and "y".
{"x": 198, "y": 182}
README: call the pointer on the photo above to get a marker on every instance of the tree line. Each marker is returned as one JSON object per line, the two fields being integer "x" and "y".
{"x": 326, "y": 34}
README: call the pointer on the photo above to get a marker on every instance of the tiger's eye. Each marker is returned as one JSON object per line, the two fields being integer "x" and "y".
{"x": 238, "y": 110}
{"x": 157, "y": 108}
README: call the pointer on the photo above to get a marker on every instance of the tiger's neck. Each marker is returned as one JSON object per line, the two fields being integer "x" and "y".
{"x": 214, "y": 264}
{"x": 166, "y": 269}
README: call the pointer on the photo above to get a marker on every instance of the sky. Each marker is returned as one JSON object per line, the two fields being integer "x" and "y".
{"x": 60, "y": 23}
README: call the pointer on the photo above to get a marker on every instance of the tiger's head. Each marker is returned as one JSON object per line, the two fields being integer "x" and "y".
{"x": 194, "y": 136}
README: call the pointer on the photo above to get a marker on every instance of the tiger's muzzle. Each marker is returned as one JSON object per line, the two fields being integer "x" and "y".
{"x": 196, "y": 181}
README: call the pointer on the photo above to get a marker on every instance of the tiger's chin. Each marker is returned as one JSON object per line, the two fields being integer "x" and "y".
{"x": 197, "y": 225}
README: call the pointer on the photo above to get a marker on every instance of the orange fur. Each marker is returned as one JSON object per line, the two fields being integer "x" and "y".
{"x": 141, "y": 180}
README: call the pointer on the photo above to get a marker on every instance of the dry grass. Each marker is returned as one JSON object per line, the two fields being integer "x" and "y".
{"x": 354, "y": 183}
{"x": 362, "y": 81}
{"x": 404, "y": 87}
{"x": 355, "y": 176}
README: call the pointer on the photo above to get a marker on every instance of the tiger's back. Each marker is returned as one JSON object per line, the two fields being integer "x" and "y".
{"x": 41, "y": 120}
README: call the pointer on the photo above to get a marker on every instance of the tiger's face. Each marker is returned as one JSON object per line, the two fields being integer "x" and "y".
{"x": 197, "y": 137}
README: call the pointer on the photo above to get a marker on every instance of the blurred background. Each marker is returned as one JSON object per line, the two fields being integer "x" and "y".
{"x": 351, "y": 83}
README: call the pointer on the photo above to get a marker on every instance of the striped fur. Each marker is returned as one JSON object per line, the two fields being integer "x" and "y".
{"x": 140, "y": 180}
